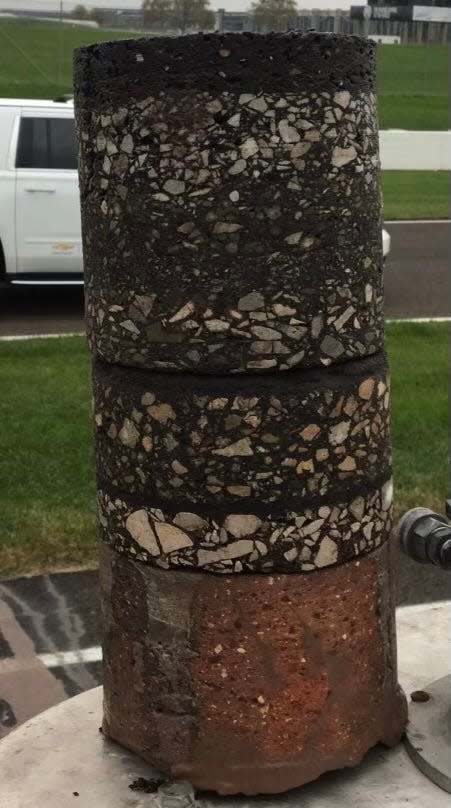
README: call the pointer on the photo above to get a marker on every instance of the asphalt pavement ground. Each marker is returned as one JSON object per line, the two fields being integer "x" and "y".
{"x": 50, "y": 624}
{"x": 417, "y": 284}
{"x": 418, "y": 270}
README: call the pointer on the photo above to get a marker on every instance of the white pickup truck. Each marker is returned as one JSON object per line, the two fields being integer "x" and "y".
{"x": 40, "y": 228}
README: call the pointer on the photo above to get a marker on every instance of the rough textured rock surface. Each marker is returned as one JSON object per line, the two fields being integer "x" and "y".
{"x": 291, "y": 439}
{"x": 244, "y": 475}
{"x": 230, "y": 201}
{"x": 251, "y": 684}
{"x": 257, "y": 540}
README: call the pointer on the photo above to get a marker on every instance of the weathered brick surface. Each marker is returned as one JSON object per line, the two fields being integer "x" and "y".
{"x": 230, "y": 201}
{"x": 254, "y": 683}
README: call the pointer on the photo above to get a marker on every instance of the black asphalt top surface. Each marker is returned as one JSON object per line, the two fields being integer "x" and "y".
{"x": 417, "y": 284}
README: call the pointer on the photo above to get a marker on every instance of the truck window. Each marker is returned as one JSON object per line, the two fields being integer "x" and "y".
{"x": 47, "y": 143}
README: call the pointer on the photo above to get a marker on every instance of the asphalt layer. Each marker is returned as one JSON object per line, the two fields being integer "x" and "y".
{"x": 49, "y": 643}
{"x": 417, "y": 284}
{"x": 50, "y": 625}
{"x": 418, "y": 270}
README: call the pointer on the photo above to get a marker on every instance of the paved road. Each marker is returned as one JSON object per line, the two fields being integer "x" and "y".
{"x": 41, "y": 310}
{"x": 49, "y": 643}
{"x": 417, "y": 284}
{"x": 418, "y": 271}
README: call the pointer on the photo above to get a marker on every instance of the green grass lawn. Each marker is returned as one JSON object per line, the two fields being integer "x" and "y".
{"x": 36, "y": 57}
{"x": 416, "y": 194}
{"x": 36, "y": 62}
{"x": 413, "y": 86}
{"x": 419, "y": 365}
{"x": 47, "y": 491}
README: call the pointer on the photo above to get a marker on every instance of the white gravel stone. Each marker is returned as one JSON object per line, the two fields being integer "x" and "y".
{"x": 249, "y": 148}
{"x": 339, "y": 432}
{"x": 140, "y": 530}
{"x": 238, "y": 167}
{"x": 252, "y": 301}
{"x": 387, "y": 495}
{"x": 288, "y": 133}
{"x": 183, "y": 313}
{"x": 216, "y": 326}
{"x": 128, "y": 434}
{"x": 235, "y": 550}
{"x": 341, "y": 157}
{"x": 259, "y": 104}
{"x": 357, "y": 507}
{"x": 366, "y": 389}
{"x": 241, "y": 448}
{"x": 235, "y": 120}
{"x": 171, "y": 538}
{"x": 174, "y": 187}
{"x": 242, "y": 524}
{"x": 327, "y": 553}
{"x": 342, "y": 98}
{"x": 264, "y": 333}
{"x": 293, "y": 238}
{"x": 162, "y": 413}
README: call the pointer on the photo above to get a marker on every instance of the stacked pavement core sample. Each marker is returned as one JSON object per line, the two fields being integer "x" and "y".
{"x": 231, "y": 187}
{"x": 232, "y": 230}
{"x": 229, "y": 475}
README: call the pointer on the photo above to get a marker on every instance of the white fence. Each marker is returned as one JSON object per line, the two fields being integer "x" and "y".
{"x": 426, "y": 151}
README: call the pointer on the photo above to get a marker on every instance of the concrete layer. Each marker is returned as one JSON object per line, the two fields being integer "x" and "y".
{"x": 102, "y": 773}
{"x": 287, "y": 442}
{"x": 230, "y": 225}
{"x": 252, "y": 684}
{"x": 225, "y": 540}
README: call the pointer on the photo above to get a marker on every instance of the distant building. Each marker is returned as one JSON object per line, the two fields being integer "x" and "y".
{"x": 125, "y": 19}
{"x": 24, "y": 12}
{"x": 428, "y": 22}
{"x": 319, "y": 19}
{"x": 383, "y": 22}
{"x": 233, "y": 20}
{"x": 385, "y": 39}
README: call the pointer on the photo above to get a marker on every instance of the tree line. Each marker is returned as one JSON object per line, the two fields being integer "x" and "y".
{"x": 189, "y": 15}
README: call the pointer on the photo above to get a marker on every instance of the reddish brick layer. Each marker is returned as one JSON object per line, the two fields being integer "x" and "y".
{"x": 250, "y": 683}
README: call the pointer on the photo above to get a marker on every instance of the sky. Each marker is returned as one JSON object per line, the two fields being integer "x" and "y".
{"x": 229, "y": 5}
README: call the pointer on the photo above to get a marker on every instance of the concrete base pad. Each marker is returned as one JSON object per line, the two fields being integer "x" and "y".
{"x": 428, "y": 737}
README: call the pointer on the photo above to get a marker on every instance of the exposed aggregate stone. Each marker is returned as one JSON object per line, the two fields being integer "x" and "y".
{"x": 232, "y": 225}
{"x": 234, "y": 440}
{"x": 222, "y": 541}
{"x": 228, "y": 229}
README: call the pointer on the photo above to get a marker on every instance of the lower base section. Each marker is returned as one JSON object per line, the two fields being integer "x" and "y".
{"x": 252, "y": 684}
